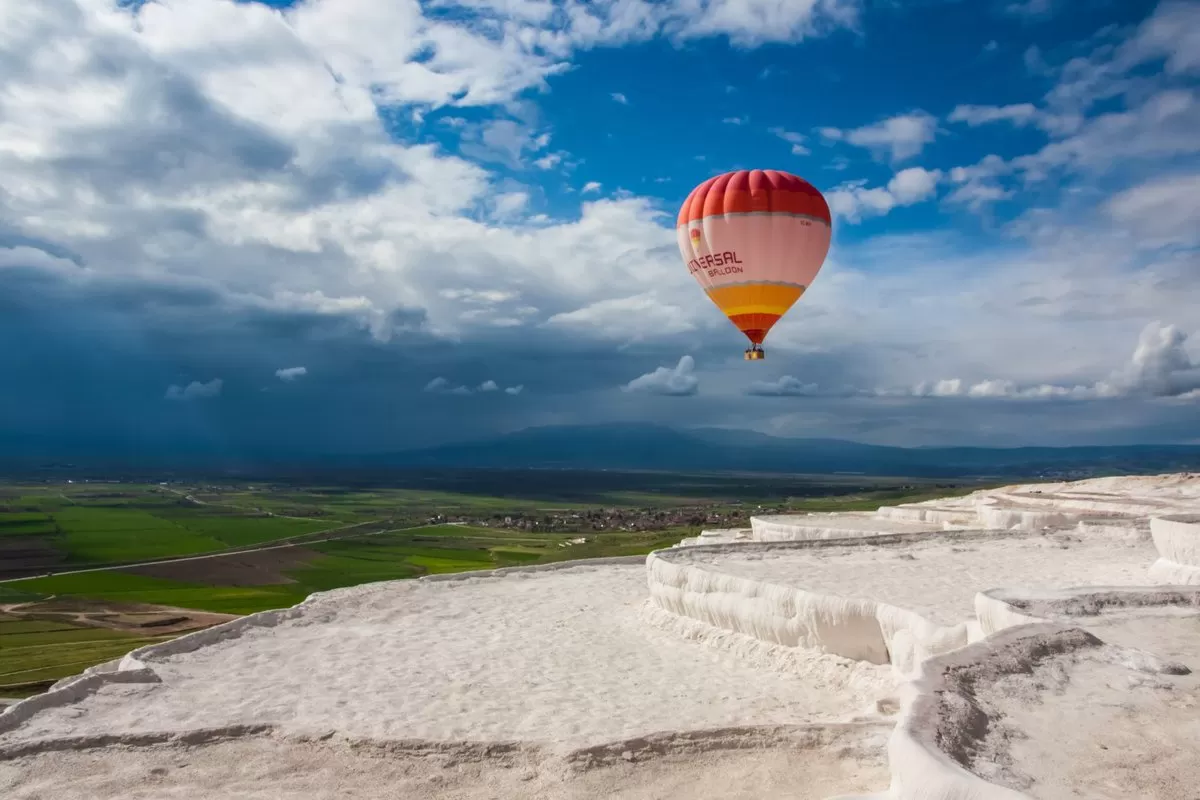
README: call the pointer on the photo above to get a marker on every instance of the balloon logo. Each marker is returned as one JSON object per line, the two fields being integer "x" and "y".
{"x": 754, "y": 240}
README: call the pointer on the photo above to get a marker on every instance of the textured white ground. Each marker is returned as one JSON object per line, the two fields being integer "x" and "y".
{"x": 797, "y": 767}
{"x": 567, "y": 683}
{"x": 555, "y": 658}
{"x": 1087, "y": 727}
{"x": 850, "y": 521}
{"x": 939, "y": 579}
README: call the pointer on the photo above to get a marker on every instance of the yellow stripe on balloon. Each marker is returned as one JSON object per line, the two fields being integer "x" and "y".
{"x": 773, "y": 293}
{"x": 756, "y": 298}
{"x": 778, "y": 311}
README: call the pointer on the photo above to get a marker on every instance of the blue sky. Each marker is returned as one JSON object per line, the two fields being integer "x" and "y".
{"x": 456, "y": 217}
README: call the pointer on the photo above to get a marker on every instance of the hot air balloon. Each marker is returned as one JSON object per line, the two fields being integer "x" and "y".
{"x": 754, "y": 240}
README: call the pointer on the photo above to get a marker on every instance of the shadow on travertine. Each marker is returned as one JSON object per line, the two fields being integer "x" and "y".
{"x": 767, "y": 662}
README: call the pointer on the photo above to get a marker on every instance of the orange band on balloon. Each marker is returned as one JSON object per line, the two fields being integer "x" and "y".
{"x": 756, "y": 298}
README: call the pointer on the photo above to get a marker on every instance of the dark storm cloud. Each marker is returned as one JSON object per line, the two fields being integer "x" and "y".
{"x": 98, "y": 356}
{"x": 174, "y": 184}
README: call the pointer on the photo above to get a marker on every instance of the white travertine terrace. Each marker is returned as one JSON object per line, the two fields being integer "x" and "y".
{"x": 1177, "y": 539}
{"x": 1076, "y": 693}
{"x": 804, "y": 527}
{"x": 1125, "y": 502}
{"x": 889, "y": 599}
{"x": 782, "y": 650}
{"x": 719, "y": 536}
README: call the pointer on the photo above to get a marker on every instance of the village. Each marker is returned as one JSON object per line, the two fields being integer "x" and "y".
{"x": 606, "y": 519}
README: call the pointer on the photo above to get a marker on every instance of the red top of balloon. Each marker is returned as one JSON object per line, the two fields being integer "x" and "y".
{"x": 744, "y": 191}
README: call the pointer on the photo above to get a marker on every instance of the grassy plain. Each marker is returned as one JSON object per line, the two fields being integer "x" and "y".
{"x": 241, "y": 547}
{"x": 286, "y": 575}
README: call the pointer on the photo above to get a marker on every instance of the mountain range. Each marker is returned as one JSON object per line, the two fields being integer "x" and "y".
{"x": 654, "y": 447}
{"x": 615, "y": 446}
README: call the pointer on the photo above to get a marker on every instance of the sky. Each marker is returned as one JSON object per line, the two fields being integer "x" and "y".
{"x": 342, "y": 226}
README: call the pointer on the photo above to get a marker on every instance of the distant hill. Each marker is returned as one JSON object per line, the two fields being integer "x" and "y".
{"x": 655, "y": 447}
{"x": 618, "y": 447}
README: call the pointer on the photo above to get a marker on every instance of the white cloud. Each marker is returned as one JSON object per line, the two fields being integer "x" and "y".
{"x": 1161, "y": 211}
{"x": 590, "y": 186}
{"x": 1017, "y": 113}
{"x": 854, "y": 201}
{"x": 751, "y": 22}
{"x": 232, "y": 149}
{"x": 288, "y": 195}
{"x": 194, "y": 390}
{"x": 784, "y": 386}
{"x": 1032, "y": 9}
{"x": 507, "y": 205}
{"x": 1003, "y": 389}
{"x": 990, "y": 166}
{"x": 1171, "y": 33}
{"x": 503, "y": 141}
{"x": 634, "y": 317}
{"x": 1162, "y": 126}
{"x": 736, "y": 120}
{"x": 900, "y": 137}
{"x": 620, "y": 98}
{"x": 440, "y": 385}
{"x": 913, "y": 185}
{"x": 1159, "y": 367}
{"x": 680, "y": 381}
{"x": 978, "y": 185}
{"x": 796, "y": 140}
{"x": 1034, "y": 61}
{"x": 977, "y": 195}
{"x": 1156, "y": 114}
{"x": 288, "y": 374}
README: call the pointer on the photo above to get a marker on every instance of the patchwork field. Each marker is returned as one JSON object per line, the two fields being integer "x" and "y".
{"x": 42, "y": 641}
{"x": 68, "y": 532}
{"x": 245, "y": 582}
{"x": 76, "y": 558}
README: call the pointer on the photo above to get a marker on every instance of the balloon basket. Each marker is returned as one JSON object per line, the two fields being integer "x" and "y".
{"x": 754, "y": 354}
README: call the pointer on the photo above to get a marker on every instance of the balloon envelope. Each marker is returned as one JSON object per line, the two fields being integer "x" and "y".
{"x": 754, "y": 240}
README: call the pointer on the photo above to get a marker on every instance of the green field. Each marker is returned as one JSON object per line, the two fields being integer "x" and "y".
{"x": 77, "y": 533}
{"x": 24, "y": 524}
{"x": 343, "y": 562}
{"x": 249, "y": 547}
{"x": 420, "y": 495}
{"x": 34, "y": 652}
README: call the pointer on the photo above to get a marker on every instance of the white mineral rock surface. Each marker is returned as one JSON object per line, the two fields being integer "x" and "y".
{"x": 1102, "y": 703}
{"x": 740, "y": 669}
